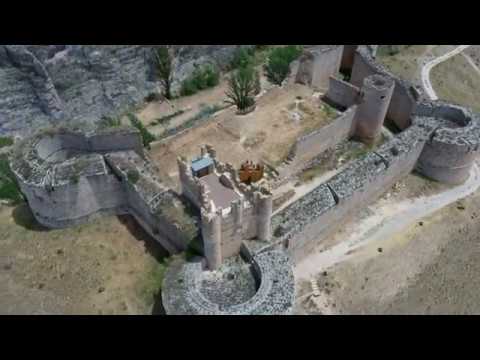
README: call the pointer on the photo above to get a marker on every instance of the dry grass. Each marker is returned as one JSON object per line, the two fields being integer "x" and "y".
{"x": 99, "y": 268}
{"x": 456, "y": 81}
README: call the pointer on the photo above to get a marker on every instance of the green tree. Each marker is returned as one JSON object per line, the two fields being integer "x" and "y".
{"x": 278, "y": 62}
{"x": 164, "y": 68}
{"x": 242, "y": 88}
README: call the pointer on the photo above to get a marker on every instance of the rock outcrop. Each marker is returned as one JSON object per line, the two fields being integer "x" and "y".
{"x": 45, "y": 84}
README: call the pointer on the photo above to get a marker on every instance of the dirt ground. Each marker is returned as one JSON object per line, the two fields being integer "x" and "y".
{"x": 238, "y": 138}
{"x": 457, "y": 81}
{"x": 429, "y": 268}
{"x": 108, "y": 266}
{"x": 407, "y": 63}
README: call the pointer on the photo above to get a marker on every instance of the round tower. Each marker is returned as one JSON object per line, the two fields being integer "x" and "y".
{"x": 375, "y": 96}
{"x": 264, "y": 216}
{"x": 212, "y": 238}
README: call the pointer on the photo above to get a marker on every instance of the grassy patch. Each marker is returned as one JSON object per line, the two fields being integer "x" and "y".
{"x": 151, "y": 284}
{"x": 9, "y": 189}
{"x": 5, "y": 141}
{"x": 456, "y": 81}
{"x": 402, "y": 60}
{"x": 147, "y": 137}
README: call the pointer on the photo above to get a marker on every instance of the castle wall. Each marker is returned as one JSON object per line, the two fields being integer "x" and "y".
{"x": 116, "y": 141}
{"x": 453, "y": 146}
{"x": 404, "y": 96}
{"x": 318, "y": 141}
{"x": 341, "y": 93}
{"x": 348, "y": 57}
{"x": 74, "y": 204}
{"x": 317, "y": 64}
{"x": 376, "y": 94}
{"x": 320, "y": 213}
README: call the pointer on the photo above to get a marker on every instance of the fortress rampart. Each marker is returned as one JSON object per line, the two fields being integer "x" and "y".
{"x": 69, "y": 177}
{"x": 274, "y": 293}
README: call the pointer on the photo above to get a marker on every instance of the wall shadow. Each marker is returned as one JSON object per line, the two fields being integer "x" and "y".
{"x": 158, "y": 308}
{"x": 153, "y": 247}
{"x": 23, "y": 216}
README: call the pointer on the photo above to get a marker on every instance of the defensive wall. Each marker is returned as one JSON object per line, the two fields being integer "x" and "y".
{"x": 274, "y": 294}
{"x": 70, "y": 177}
{"x": 439, "y": 140}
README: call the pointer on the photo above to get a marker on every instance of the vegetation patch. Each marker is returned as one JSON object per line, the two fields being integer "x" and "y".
{"x": 147, "y": 137}
{"x": 9, "y": 189}
{"x": 204, "y": 77}
{"x": 151, "y": 284}
{"x": 277, "y": 67}
{"x": 5, "y": 141}
{"x": 133, "y": 176}
{"x": 243, "y": 85}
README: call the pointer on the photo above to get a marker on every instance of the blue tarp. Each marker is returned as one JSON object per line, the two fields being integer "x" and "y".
{"x": 201, "y": 163}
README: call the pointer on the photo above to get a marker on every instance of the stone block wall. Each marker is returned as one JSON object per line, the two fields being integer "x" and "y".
{"x": 302, "y": 225}
{"x": 341, "y": 93}
{"x": 404, "y": 96}
{"x": 317, "y": 64}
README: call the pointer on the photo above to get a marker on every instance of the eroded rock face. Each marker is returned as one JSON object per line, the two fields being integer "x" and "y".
{"x": 44, "y": 84}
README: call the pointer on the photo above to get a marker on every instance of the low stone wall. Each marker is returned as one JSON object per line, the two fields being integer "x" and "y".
{"x": 181, "y": 293}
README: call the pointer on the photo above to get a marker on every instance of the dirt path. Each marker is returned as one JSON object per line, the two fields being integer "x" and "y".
{"x": 388, "y": 219}
{"x": 427, "y": 68}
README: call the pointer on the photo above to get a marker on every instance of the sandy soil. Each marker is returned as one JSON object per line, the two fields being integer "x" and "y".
{"x": 109, "y": 266}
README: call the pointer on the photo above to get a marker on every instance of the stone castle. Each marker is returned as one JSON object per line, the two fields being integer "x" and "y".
{"x": 69, "y": 177}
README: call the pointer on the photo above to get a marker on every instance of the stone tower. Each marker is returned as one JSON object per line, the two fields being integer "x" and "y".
{"x": 375, "y": 97}
{"x": 264, "y": 204}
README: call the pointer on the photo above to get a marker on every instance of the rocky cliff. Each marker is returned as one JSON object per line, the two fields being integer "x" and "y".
{"x": 45, "y": 84}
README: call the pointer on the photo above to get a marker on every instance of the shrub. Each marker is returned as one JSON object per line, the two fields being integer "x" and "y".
{"x": 109, "y": 122}
{"x": 5, "y": 141}
{"x": 133, "y": 176}
{"x": 9, "y": 189}
{"x": 242, "y": 88}
{"x": 278, "y": 62}
{"x": 242, "y": 57}
{"x": 163, "y": 68}
{"x": 147, "y": 137}
{"x": 203, "y": 77}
